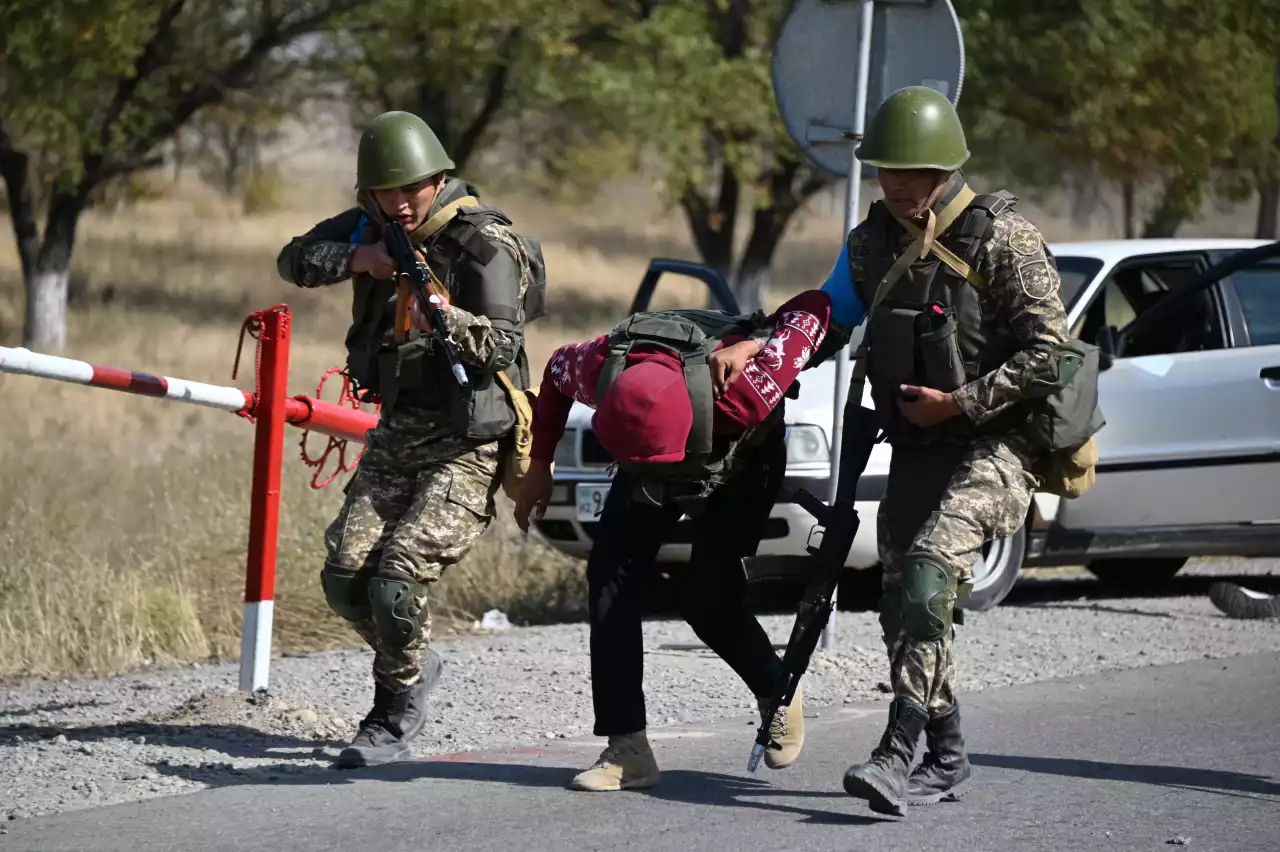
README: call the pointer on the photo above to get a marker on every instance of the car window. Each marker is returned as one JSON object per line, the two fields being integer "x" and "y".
{"x": 1258, "y": 291}
{"x": 1134, "y": 287}
{"x": 1075, "y": 272}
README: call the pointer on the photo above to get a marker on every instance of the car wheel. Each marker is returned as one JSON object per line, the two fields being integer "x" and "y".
{"x": 996, "y": 571}
{"x": 1136, "y": 573}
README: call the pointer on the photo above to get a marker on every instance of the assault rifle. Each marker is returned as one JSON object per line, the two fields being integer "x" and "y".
{"x": 825, "y": 563}
{"x": 410, "y": 266}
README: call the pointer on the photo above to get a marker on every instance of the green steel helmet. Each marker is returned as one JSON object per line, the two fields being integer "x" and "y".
{"x": 915, "y": 128}
{"x": 396, "y": 149}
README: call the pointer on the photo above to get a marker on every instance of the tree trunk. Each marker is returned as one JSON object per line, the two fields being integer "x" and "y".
{"x": 46, "y": 328}
{"x": 1268, "y": 211}
{"x": 1175, "y": 204}
{"x": 47, "y": 279}
{"x": 713, "y": 226}
{"x": 1269, "y": 190}
{"x": 755, "y": 272}
{"x": 1130, "y": 206}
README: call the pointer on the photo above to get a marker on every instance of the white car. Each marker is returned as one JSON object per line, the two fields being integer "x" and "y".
{"x": 1189, "y": 461}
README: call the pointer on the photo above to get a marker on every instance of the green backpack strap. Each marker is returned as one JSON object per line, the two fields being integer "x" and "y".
{"x": 697, "y": 378}
{"x": 681, "y": 333}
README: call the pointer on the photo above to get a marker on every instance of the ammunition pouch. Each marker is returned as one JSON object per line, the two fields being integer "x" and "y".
{"x": 518, "y": 445}
{"x": 928, "y": 598}
{"x": 346, "y": 592}
{"x": 938, "y": 360}
{"x": 391, "y": 596}
{"x": 1063, "y": 417}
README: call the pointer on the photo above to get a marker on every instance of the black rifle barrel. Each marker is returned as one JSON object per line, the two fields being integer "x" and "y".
{"x": 839, "y": 524}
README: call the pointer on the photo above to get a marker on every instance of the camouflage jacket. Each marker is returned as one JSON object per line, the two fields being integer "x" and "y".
{"x": 484, "y": 324}
{"x": 1020, "y": 315}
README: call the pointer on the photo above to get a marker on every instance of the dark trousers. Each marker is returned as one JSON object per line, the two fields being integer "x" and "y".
{"x": 712, "y": 587}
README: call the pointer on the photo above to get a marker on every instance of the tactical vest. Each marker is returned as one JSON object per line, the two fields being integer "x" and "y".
{"x": 929, "y": 330}
{"x": 415, "y": 369}
{"x": 692, "y": 335}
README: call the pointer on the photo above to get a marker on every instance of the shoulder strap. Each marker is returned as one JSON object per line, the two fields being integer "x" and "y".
{"x": 927, "y": 236}
{"x": 690, "y": 344}
{"x": 697, "y": 379}
{"x": 442, "y": 217}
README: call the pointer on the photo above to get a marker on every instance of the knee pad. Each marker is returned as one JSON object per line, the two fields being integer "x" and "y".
{"x": 346, "y": 592}
{"x": 391, "y": 600}
{"x": 928, "y": 598}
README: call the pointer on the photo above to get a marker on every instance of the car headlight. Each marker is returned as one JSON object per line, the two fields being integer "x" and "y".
{"x": 567, "y": 449}
{"x": 807, "y": 445}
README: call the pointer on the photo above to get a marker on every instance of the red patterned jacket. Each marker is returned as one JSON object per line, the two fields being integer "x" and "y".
{"x": 799, "y": 327}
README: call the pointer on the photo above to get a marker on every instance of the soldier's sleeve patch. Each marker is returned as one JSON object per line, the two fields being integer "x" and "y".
{"x": 1036, "y": 278}
{"x": 1024, "y": 241}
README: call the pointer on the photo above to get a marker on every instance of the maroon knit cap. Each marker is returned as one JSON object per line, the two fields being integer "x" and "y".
{"x": 646, "y": 415}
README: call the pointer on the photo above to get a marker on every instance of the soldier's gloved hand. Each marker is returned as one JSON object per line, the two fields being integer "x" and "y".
{"x": 926, "y": 406}
{"x": 535, "y": 491}
{"x": 728, "y": 362}
{"x": 375, "y": 260}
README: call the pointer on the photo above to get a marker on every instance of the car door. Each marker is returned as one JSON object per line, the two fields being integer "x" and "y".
{"x": 1193, "y": 421}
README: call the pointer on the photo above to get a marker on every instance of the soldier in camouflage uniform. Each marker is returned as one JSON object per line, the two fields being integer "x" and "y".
{"x": 965, "y": 310}
{"x": 424, "y": 489}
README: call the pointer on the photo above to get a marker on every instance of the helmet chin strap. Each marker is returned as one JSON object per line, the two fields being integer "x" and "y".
{"x": 928, "y": 218}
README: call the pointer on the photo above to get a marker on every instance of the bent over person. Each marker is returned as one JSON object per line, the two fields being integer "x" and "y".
{"x": 424, "y": 489}
{"x": 690, "y": 405}
{"x": 966, "y": 326}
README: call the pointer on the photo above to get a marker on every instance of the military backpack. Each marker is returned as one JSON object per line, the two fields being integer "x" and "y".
{"x": 691, "y": 335}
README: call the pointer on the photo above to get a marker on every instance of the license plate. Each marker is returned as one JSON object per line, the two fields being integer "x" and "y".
{"x": 591, "y": 501}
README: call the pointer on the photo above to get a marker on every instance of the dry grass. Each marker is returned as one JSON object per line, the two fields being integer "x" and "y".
{"x": 124, "y": 519}
{"x": 123, "y": 531}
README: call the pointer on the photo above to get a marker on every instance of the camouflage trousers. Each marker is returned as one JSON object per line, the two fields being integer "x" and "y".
{"x": 944, "y": 502}
{"x": 411, "y": 511}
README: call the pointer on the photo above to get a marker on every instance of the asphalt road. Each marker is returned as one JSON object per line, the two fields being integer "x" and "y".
{"x": 1139, "y": 759}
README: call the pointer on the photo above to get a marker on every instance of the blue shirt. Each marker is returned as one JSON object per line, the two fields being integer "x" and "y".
{"x": 846, "y": 308}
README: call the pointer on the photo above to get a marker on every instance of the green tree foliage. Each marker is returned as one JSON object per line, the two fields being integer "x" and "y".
{"x": 1178, "y": 94}
{"x": 91, "y": 91}
{"x": 467, "y": 67}
{"x": 688, "y": 81}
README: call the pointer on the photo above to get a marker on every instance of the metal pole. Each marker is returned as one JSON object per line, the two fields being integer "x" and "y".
{"x": 852, "y": 216}
{"x": 264, "y": 504}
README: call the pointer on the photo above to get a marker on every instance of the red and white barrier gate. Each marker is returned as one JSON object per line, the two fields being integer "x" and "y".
{"x": 269, "y": 408}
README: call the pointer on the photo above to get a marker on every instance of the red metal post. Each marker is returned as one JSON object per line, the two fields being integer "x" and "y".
{"x": 264, "y": 500}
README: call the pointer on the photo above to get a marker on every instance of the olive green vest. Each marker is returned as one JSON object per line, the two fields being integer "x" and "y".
{"x": 710, "y": 459}
{"x": 415, "y": 370}
{"x": 929, "y": 329}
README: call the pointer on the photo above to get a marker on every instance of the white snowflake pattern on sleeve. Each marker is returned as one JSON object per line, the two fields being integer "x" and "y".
{"x": 762, "y": 382}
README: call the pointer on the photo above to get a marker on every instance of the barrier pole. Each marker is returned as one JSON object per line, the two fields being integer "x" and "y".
{"x": 264, "y": 501}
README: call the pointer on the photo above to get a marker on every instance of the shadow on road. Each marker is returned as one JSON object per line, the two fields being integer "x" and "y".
{"x": 1031, "y": 590}
{"x": 861, "y": 594}
{"x": 1206, "y": 780}
{"x": 681, "y": 786}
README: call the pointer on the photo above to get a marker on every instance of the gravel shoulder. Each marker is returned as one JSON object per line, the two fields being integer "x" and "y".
{"x": 82, "y": 744}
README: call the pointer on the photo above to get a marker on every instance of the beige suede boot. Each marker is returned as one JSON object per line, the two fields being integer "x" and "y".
{"x": 787, "y": 731}
{"x": 626, "y": 763}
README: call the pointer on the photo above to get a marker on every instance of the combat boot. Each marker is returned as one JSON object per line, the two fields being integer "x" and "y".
{"x": 396, "y": 718}
{"x": 626, "y": 763}
{"x": 787, "y": 731}
{"x": 944, "y": 772}
{"x": 882, "y": 780}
